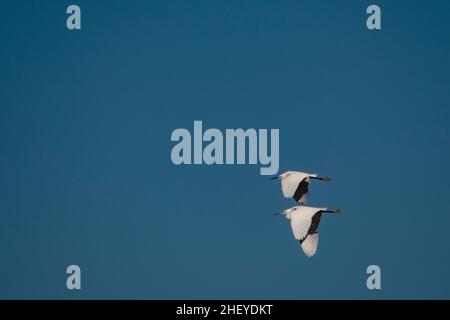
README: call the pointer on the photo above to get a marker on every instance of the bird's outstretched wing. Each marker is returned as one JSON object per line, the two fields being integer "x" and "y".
{"x": 309, "y": 244}
{"x": 303, "y": 219}
{"x": 290, "y": 184}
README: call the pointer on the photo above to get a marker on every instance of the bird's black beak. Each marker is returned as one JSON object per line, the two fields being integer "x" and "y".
{"x": 278, "y": 214}
{"x": 273, "y": 178}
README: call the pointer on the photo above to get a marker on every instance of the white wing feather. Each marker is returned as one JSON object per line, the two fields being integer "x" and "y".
{"x": 291, "y": 182}
{"x": 309, "y": 245}
{"x": 301, "y": 219}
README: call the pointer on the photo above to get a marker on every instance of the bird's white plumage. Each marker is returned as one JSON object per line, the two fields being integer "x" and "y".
{"x": 309, "y": 245}
{"x": 301, "y": 218}
{"x": 290, "y": 181}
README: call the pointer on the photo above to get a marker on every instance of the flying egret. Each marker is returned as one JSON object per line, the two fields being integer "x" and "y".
{"x": 305, "y": 222}
{"x": 294, "y": 184}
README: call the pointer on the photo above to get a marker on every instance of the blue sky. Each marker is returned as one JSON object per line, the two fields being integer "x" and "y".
{"x": 85, "y": 170}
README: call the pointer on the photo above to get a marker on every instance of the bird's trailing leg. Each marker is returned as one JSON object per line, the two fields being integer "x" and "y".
{"x": 335, "y": 211}
{"x": 321, "y": 178}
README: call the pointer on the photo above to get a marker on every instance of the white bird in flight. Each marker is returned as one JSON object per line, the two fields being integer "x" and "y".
{"x": 294, "y": 184}
{"x": 305, "y": 223}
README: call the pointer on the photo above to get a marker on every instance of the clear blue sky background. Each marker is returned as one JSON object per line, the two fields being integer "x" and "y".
{"x": 85, "y": 170}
